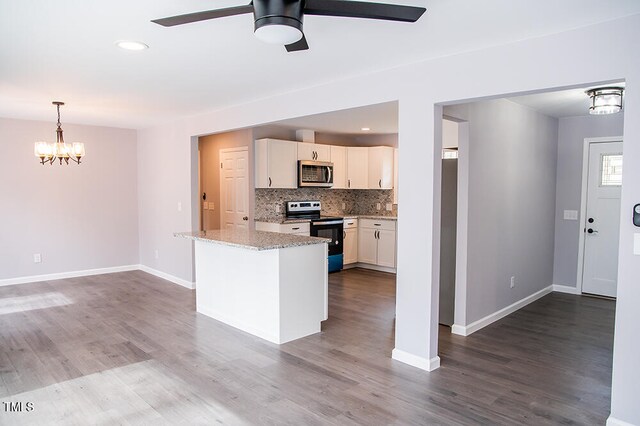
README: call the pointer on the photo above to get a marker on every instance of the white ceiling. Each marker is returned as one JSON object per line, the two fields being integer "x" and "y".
{"x": 564, "y": 103}
{"x": 380, "y": 119}
{"x": 64, "y": 50}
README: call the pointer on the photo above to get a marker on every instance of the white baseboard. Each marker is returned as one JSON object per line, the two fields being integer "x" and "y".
{"x": 565, "y": 289}
{"x": 63, "y": 275}
{"x": 483, "y": 322}
{"x": 416, "y": 361}
{"x": 99, "y": 271}
{"x": 370, "y": 266}
{"x": 612, "y": 421}
{"x": 184, "y": 283}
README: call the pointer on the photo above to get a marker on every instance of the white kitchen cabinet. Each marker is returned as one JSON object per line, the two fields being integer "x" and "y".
{"x": 275, "y": 163}
{"x": 377, "y": 242}
{"x": 395, "y": 176}
{"x": 380, "y": 167}
{"x": 313, "y": 152}
{"x": 284, "y": 228}
{"x": 357, "y": 167}
{"x": 339, "y": 160}
{"x": 350, "y": 243}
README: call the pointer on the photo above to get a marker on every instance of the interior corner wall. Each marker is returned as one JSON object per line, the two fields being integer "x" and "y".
{"x": 210, "y": 147}
{"x": 511, "y": 205}
{"x": 78, "y": 217}
{"x": 571, "y": 134}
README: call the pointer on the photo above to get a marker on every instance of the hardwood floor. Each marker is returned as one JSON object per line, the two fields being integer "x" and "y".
{"x": 128, "y": 348}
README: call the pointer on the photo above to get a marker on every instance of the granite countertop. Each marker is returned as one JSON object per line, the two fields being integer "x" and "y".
{"x": 251, "y": 240}
{"x": 351, "y": 216}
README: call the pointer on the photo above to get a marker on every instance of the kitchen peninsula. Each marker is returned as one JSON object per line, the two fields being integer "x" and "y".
{"x": 271, "y": 285}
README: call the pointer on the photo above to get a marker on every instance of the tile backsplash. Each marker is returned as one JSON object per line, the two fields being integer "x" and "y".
{"x": 356, "y": 201}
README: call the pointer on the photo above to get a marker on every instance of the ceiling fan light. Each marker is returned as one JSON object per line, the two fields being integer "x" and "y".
{"x": 605, "y": 100}
{"x": 278, "y": 34}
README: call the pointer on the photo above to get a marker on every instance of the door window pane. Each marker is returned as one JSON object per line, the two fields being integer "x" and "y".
{"x": 611, "y": 170}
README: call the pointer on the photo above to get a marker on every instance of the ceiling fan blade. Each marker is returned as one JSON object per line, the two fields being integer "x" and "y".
{"x": 298, "y": 45}
{"x": 359, "y": 9}
{"x": 203, "y": 16}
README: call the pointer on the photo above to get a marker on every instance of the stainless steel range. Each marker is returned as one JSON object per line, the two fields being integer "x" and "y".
{"x": 330, "y": 227}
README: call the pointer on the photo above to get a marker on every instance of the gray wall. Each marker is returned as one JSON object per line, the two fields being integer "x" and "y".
{"x": 571, "y": 134}
{"x": 77, "y": 217}
{"x": 511, "y": 205}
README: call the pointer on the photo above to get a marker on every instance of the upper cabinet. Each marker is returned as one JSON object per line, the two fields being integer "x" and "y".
{"x": 276, "y": 163}
{"x": 395, "y": 176}
{"x": 313, "y": 152}
{"x": 357, "y": 167}
{"x": 381, "y": 167}
{"x": 339, "y": 160}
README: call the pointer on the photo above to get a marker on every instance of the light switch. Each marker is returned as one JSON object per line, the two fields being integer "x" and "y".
{"x": 636, "y": 244}
{"x": 179, "y": 206}
{"x": 389, "y": 207}
{"x": 571, "y": 215}
{"x": 378, "y": 206}
{"x": 212, "y": 206}
{"x": 205, "y": 205}
{"x": 37, "y": 258}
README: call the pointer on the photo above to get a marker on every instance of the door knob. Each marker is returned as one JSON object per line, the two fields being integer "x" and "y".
{"x": 590, "y": 220}
{"x": 245, "y": 218}
{"x": 592, "y": 231}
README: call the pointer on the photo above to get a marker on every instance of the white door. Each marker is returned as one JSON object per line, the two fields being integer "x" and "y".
{"x": 367, "y": 245}
{"x": 602, "y": 222}
{"x": 234, "y": 188}
{"x": 387, "y": 248}
{"x": 350, "y": 245}
{"x": 339, "y": 160}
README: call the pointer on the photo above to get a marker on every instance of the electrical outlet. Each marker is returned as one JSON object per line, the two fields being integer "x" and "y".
{"x": 205, "y": 205}
{"x": 512, "y": 284}
{"x": 278, "y": 208}
{"x": 389, "y": 207}
{"x": 179, "y": 206}
{"x": 344, "y": 206}
{"x": 156, "y": 254}
{"x": 37, "y": 258}
{"x": 378, "y": 206}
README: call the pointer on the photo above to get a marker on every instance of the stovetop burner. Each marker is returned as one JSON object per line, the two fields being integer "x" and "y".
{"x": 307, "y": 210}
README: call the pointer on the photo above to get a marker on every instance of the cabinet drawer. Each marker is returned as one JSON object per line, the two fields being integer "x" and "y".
{"x": 295, "y": 228}
{"x": 350, "y": 223}
{"x": 389, "y": 225}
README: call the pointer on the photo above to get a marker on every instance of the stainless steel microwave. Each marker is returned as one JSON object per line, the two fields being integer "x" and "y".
{"x": 315, "y": 173}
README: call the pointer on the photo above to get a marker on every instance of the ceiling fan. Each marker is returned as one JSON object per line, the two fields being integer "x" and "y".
{"x": 280, "y": 21}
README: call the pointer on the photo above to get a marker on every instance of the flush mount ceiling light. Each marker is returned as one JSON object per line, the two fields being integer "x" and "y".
{"x": 131, "y": 45}
{"x": 49, "y": 152}
{"x": 605, "y": 100}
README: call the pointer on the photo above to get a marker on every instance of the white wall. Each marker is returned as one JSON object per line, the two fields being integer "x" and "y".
{"x": 77, "y": 217}
{"x": 512, "y": 154}
{"x": 571, "y": 134}
{"x": 166, "y": 167}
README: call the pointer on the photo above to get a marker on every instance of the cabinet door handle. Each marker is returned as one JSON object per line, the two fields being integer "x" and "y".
{"x": 269, "y": 181}
{"x": 295, "y": 229}
{"x": 380, "y": 183}
{"x": 349, "y": 183}
{"x": 344, "y": 235}
{"x": 377, "y": 224}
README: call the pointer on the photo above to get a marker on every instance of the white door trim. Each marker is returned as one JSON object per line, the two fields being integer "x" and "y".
{"x": 224, "y": 151}
{"x": 583, "y": 201}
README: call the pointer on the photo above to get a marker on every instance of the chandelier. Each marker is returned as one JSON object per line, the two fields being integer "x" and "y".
{"x": 49, "y": 152}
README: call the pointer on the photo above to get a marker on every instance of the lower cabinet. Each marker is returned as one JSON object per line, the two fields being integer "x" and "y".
{"x": 284, "y": 228}
{"x": 350, "y": 243}
{"x": 377, "y": 242}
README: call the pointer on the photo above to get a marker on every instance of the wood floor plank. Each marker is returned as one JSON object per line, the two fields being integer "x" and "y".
{"x": 129, "y": 348}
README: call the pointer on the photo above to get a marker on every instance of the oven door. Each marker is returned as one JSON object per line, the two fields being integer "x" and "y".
{"x": 315, "y": 173}
{"x": 331, "y": 229}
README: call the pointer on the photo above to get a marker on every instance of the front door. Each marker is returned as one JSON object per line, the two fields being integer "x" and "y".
{"x": 602, "y": 221}
{"x": 234, "y": 188}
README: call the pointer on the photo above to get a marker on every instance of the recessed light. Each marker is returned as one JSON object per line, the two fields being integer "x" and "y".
{"x": 131, "y": 45}
{"x": 365, "y": 129}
